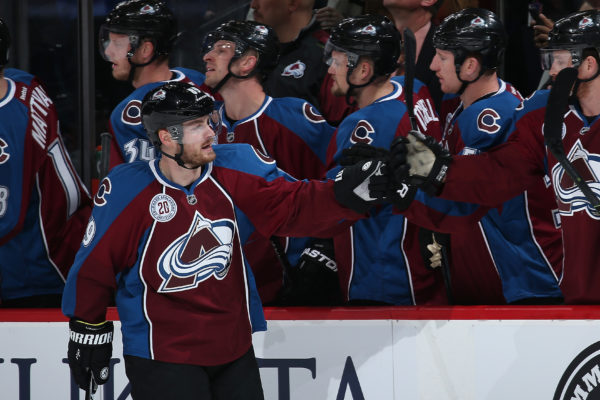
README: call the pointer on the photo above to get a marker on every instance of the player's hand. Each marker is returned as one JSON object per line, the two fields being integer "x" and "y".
{"x": 315, "y": 280}
{"x": 89, "y": 352}
{"x": 540, "y": 32}
{"x": 351, "y": 185}
{"x": 360, "y": 152}
{"x": 328, "y": 17}
{"x": 420, "y": 161}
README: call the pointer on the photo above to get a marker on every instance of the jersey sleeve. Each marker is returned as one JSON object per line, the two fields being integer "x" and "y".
{"x": 276, "y": 203}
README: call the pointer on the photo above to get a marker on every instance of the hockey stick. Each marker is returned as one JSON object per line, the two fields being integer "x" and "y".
{"x": 558, "y": 102}
{"x": 410, "y": 60}
{"x": 90, "y": 392}
{"x": 105, "y": 138}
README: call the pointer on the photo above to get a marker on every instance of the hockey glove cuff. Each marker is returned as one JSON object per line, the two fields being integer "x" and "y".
{"x": 89, "y": 352}
{"x": 351, "y": 186}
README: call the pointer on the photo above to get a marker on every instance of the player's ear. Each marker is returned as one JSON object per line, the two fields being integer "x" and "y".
{"x": 146, "y": 50}
{"x": 248, "y": 62}
{"x": 590, "y": 66}
{"x": 164, "y": 136}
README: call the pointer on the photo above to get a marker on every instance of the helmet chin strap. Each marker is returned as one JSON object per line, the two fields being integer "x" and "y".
{"x": 465, "y": 83}
{"x": 178, "y": 160}
{"x": 352, "y": 87}
{"x": 230, "y": 74}
{"x": 135, "y": 65}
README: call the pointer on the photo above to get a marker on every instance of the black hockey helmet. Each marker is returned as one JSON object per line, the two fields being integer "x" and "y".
{"x": 472, "y": 31}
{"x": 141, "y": 19}
{"x": 4, "y": 43}
{"x": 373, "y": 36}
{"x": 247, "y": 35}
{"x": 170, "y": 105}
{"x": 575, "y": 33}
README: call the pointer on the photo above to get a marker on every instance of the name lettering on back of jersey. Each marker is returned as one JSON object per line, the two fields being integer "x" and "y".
{"x": 486, "y": 121}
{"x": 23, "y": 94}
{"x": 424, "y": 113}
{"x": 39, "y": 104}
{"x": 204, "y": 251}
{"x": 103, "y": 190}
{"x": 570, "y": 198}
{"x": 4, "y": 154}
{"x": 362, "y": 132}
{"x": 132, "y": 114}
{"x": 311, "y": 114}
{"x": 162, "y": 207}
{"x": 295, "y": 69}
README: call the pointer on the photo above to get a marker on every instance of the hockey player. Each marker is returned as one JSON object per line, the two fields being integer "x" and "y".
{"x": 238, "y": 54}
{"x": 300, "y": 71}
{"x": 136, "y": 38}
{"x": 507, "y": 170}
{"x": 517, "y": 243}
{"x": 165, "y": 237}
{"x": 44, "y": 206}
{"x": 378, "y": 258}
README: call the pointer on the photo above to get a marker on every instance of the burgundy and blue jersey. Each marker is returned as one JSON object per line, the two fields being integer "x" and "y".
{"x": 129, "y": 139}
{"x": 516, "y": 243}
{"x": 173, "y": 255}
{"x": 44, "y": 206}
{"x": 294, "y": 133}
{"x": 520, "y": 163}
{"x": 377, "y": 256}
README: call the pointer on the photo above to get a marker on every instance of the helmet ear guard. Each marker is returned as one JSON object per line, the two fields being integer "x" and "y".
{"x": 472, "y": 31}
{"x": 172, "y": 104}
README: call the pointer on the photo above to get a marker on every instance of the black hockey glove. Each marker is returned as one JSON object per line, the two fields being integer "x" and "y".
{"x": 419, "y": 160}
{"x": 315, "y": 280}
{"x": 360, "y": 152}
{"x": 351, "y": 186}
{"x": 90, "y": 349}
{"x": 387, "y": 187}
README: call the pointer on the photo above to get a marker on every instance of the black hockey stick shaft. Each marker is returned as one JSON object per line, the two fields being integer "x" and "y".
{"x": 90, "y": 392}
{"x": 558, "y": 103}
{"x": 105, "y": 139}
{"x": 410, "y": 59}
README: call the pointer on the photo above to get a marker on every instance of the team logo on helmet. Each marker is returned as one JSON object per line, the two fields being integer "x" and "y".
{"x": 586, "y": 22}
{"x": 147, "y": 9}
{"x": 570, "y": 197}
{"x": 160, "y": 95}
{"x": 478, "y": 21}
{"x": 205, "y": 250}
{"x": 368, "y": 30}
{"x": 296, "y": 70}
{"x": 261, "y": 29}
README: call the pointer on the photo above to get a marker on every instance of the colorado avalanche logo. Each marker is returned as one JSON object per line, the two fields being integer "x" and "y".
{"x": 147, "y": 9}
{"x": 132, "y": 114}
{"x": 571, "y": 199}
{"x": 361, "y": 132}
{"x": 204, "y": 251}
{"x": 4, "y": 156}
{"x": 296, "y": 70}
{"x": 486, "y": 121}
{"x": 103, "y": 190}
{"x": 586, "y": 22}
{"x": 477, "y": 22}
{"x": 369, "y": 30}
{"x": 311, "y": 114}
{"x": 160, "y": 95}
{"x": 261, "y": 30}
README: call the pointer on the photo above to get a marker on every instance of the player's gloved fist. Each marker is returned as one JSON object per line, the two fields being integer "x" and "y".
{"x": 90, "y": 349}
{"x": 360, "y": 152}
{"x": 386, "y": 186}
{"x": 427, "y": 161}
{"x": 351, "y": 185}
